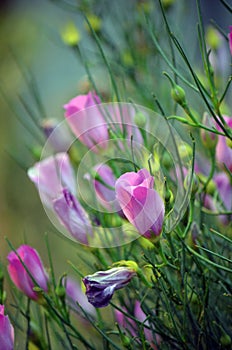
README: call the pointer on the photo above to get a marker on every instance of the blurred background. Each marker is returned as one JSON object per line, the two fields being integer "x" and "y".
{"x": 29, "y": 40}
{"x": 30, "y": 43}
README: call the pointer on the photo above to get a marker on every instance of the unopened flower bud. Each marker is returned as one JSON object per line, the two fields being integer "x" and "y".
{"x": 178, "y": 94}
{"x": 167, "y": 3}
{"x": 126, "y": 341}
{"x": 70, "y": 34}
{"x": 166, "y": 160}
{"x": 185, "y": 151}
{"x": 211, "y": 186}
{"x": 194, "y": 183}
{"x": 229, "y": 143}
{"x": 60, "y": 291}
{"x": 169, "y": 196}
{"x": 140, "y": 119}
{"x": 95, "y": 22}
{"x": 225, "y": 341}
{"x": 36, "y": 152}
{"x": 213, "y": 38}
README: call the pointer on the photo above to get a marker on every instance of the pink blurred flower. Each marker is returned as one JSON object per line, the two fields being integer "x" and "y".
{"x": 223, "y": 151}
{"x": 51, "y": 175}
{"x": 131, "y": 326}
{"x": 224, "y": 202}
{"x": 140, "y": 203}
{"x": 20, "y": 276}
{"x": 87, "y": 124}
{"x": 230, "y": 39}
{"x": 6, "y": 331}
{"x": 73, "y": 216}
{"x": 74, "y": 295}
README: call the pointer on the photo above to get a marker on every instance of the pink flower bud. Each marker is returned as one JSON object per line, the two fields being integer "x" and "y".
{"x": 6, "y": 331}
{"x": 87, "y": 124}
{"x": 21, "y": 277}
{"x": 140, "y": 203}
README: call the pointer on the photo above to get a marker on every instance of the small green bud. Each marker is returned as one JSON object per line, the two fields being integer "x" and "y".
{"x": 169, "y": 196}
{"x": 126, "y": 341}
{"x": 70, "y": 34}
{"x": 167, "y": 160}
{"x": 112, "y": 220}
{"x": 127, "y": 59}
{"x": 178, "y": 95}
{"x": 167, "y": 3}
{"x": 211, "y": 186}
{"x": 60, "y": 291}
{"x": 36, "y": 152}
{"x": 195, "y": 183}
{"x": 140, "y": 119}
{"x": 229, "y": 142}
{"x": 225, "y": 340}
{"x": 185, "y": 150}
{"x": 127, "y": 263}
{"x": 213, "y": 38}
{"x": 95, "y": 22}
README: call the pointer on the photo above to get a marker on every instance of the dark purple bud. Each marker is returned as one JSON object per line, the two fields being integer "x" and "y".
{"x": 100, "y": 286}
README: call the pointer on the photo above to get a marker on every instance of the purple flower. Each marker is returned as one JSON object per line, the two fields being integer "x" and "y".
{"x": 131, "y": 325}
{"x": 87, "y": 124}
{"x": 140, "y": 203}
{"x": 230, "y": 39}
{"x": 51, "y": 175}
{"x": 75, "y": 294}
{"x": 100, "y": 286}
{"x": 81, "y": 102}
{"x": 6, "y": 331}
{"x": 20, "y": 276}
{"x": 104, "y": 182}
{"x": 224, "y": 189}
{"x": 73, "y": 216}
{"x": 223, "y": 151}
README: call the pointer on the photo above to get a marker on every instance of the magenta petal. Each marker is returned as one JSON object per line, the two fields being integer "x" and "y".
{"x": 6, "y": 331}
{"x": 19, "y": 274}
{"x": 88, "y": 124}
{"x": 21, "y": 279}
{"x": 140, "y": 203}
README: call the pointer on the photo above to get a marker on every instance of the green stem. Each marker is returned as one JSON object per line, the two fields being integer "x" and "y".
{"x": 209, "y": 261}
